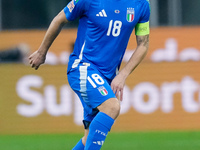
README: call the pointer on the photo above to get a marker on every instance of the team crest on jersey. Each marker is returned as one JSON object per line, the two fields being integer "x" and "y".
{"x": 103, "y": 90}
{"x": 130, "y": 14}
{"x": 71, "y": 6}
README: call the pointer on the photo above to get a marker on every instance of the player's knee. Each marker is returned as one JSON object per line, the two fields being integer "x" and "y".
{"x": 111, "y": 107}
{"x": 115, "y": 107}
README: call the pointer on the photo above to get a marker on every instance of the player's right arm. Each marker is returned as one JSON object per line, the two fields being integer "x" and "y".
{"x": 39, "y": 56}
{"x": 74, "y": 9}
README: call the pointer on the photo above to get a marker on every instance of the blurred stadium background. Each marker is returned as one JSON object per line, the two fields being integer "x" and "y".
{"x": 161, "y": 106}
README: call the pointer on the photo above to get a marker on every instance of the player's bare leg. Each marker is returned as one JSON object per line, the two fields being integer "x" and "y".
{"x": 111, "y": 107}
{"x": 84, "y": 139}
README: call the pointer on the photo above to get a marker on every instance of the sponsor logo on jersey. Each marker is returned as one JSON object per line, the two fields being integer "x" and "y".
{"x": 71, "y": 6}
{"x": 103, "y": 91}
{"x": 102, "y": 13}
{"x": 130, "y": 14}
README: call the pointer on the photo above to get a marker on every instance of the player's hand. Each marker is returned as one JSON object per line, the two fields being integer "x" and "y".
{"x": 36, "y": 59}
{"x": 117, "y": 86}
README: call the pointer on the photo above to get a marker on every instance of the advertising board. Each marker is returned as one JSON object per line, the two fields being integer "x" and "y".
{"x": 163, "y": 93}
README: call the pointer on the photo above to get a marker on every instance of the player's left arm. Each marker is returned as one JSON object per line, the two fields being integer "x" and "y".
{"x": 137, "y": 56}
{"x": 142, "y": 37}
{"x": 119, "y": 81}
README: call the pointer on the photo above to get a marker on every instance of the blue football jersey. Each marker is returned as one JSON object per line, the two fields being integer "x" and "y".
{"x": 104, "y": 30}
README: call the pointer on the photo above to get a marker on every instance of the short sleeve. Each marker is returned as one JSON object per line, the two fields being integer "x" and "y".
{"x": 145, "y": 15}
{"x": 142, "y": 27}
{"x": 75, "y": 9}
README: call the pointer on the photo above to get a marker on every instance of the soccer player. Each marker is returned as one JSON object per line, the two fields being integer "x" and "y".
{"x": 93, "y": 69}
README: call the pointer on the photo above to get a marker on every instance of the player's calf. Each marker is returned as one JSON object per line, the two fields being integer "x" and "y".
{"x": 102, "y": 123}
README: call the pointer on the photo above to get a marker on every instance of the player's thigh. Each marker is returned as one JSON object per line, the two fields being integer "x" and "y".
{"x": 98, "y": 88}
{"x": 92, "y": 88}
{"x": 90, "y": 85}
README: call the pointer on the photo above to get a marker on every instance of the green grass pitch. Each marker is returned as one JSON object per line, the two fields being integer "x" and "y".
{"x": 115, "y": 141}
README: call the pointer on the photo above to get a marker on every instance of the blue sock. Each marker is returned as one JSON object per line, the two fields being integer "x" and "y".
{"x": 98, "y": 130}
{"x": 79, "y": 146}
